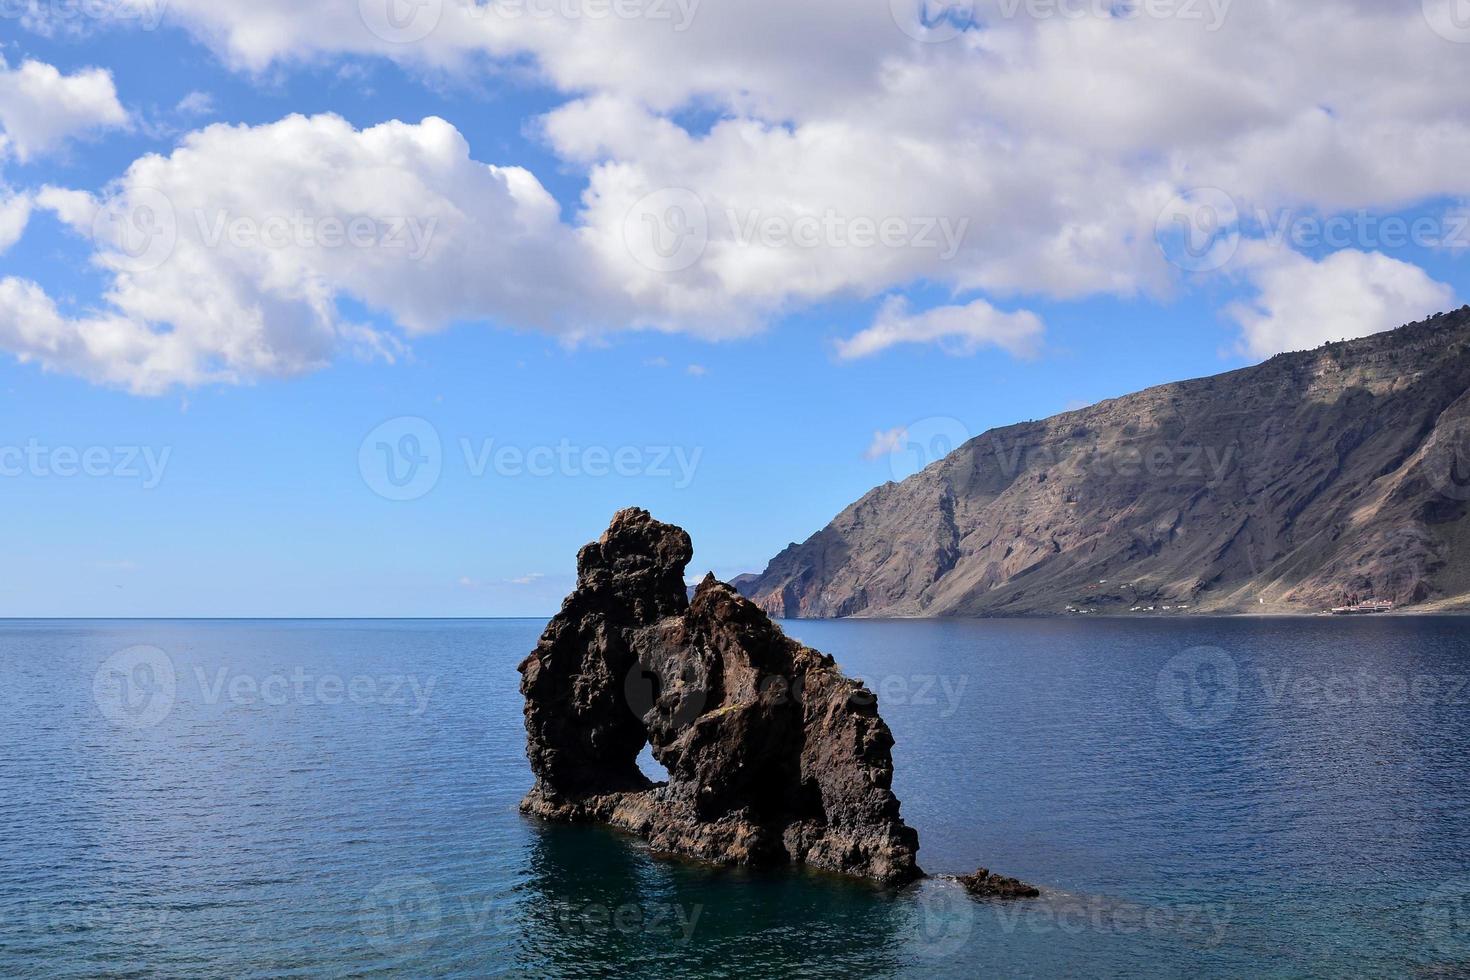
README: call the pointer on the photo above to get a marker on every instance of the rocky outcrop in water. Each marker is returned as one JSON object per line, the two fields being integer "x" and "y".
{"x": 984, "y": 884}
{"x": 773, "y": 756}
{"x": 1288, "y": 487}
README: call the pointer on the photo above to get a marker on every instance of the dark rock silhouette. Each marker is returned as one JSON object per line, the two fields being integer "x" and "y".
{"x": 984, "y": 884}
{"x": 773, "y": 756}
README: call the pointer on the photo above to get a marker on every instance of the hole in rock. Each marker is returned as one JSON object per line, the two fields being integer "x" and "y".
{"x": 651, "y": 766}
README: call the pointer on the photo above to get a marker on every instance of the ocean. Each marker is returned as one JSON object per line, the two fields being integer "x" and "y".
{"x": 1265, "y": 797}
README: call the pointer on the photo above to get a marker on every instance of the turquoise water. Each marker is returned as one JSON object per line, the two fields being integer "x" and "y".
{"x": 1212, "y": 798}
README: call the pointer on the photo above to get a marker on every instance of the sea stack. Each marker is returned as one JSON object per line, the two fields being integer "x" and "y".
{"x": 774, "y": 757}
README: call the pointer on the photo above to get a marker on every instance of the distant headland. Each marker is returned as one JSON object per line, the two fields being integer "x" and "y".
{"x": 1325, "y": 479}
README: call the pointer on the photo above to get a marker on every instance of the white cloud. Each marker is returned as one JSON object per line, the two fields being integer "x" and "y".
{"x": 40, "y": 108}
{"x": 887, "y": 443}
{"x": 1301, "y": 303}
{"x": 15, "y": 214}
{"x": 957, "y": 329}
{"x": 196, "y": 104}
{"x": 1030, "y": 159}
{"x": 228, "y": 258}
{"x": 465, "y": 582}
{"x": 74, "y": 208}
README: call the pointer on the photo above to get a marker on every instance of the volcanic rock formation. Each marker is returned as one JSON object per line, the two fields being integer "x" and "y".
{"x": 773, "y": 756}
{"x": 986, "y": 884}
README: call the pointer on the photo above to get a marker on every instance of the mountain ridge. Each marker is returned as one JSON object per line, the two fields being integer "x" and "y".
{"x": 1285, "y": 487}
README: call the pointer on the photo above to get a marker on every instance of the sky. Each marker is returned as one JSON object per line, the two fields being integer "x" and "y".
{"x": 384, "y": 307}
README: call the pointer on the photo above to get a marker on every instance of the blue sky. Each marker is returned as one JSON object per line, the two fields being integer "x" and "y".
{"x": 238, "y": 484}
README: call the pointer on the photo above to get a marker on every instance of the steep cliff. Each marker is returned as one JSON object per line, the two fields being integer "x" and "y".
{"x": 1284, "y": 487}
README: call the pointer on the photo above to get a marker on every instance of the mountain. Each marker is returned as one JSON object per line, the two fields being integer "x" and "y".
{"x": 1291, "y": 486}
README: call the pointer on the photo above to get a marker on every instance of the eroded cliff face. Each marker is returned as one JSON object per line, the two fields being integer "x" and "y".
{"x": 1285, "y": 487}
{"x": 773, "y": 755}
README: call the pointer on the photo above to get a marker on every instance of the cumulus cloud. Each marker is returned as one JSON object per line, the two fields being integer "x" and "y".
{"x": 957, "y": 329}
{"x": 1026, "y": 159}
{"x": 1301, "y": 303}
{"x": 40, "y": 108}
{"x": 228, "y": 258}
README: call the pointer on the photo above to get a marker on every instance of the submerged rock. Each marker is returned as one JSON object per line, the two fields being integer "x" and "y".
{"x": 983, "y": 884}
{"x": 774, "y": 757}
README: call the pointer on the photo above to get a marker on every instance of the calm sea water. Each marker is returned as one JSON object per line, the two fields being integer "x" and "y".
{"x": 1211, "y": 798}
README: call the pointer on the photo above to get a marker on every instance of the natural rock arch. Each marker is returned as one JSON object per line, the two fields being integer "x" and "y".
{"x": 773, "y": 755}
